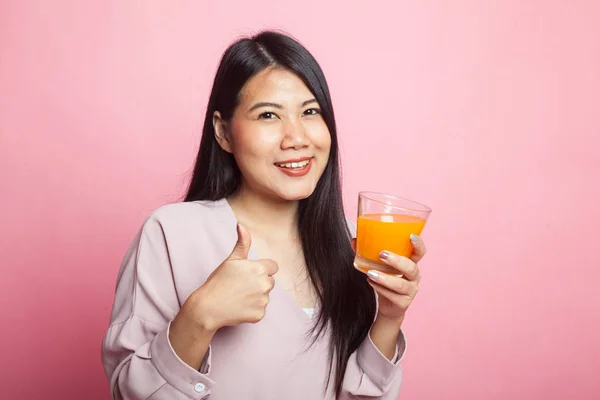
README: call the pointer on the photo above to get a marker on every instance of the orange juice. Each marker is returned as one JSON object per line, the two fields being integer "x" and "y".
{"x": 391, "y": 232}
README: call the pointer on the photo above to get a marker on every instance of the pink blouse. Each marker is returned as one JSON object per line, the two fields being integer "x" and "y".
{"x": 171, "y": 256}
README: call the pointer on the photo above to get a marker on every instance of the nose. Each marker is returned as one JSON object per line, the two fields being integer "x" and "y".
{"x": 294, "y": 136}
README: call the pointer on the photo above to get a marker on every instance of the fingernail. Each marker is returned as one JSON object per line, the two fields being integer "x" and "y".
{"x": 373, "y": 274}
{"x": 384, "y": 255}
{"x": 414, "y": 238}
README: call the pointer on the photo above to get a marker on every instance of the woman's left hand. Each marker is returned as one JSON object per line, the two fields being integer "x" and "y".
{"x": 396, "y": 293}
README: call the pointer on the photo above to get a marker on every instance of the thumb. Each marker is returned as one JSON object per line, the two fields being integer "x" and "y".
{"x": 242, "y": 246}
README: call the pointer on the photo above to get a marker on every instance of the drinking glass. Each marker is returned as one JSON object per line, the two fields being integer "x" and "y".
{"x": 385, "y": 222}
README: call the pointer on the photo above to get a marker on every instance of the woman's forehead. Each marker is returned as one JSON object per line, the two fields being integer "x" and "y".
{"x": 275, "y": 85}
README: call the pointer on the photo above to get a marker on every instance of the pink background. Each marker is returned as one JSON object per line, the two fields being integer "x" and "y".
{"x": 488, "y": 111}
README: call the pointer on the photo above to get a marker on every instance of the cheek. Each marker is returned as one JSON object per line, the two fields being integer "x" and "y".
{"x": 250, "y": 142}
{"x": 240, "y": 137}
{"x": 321, "y": 138}
{"x": 325, "y": 148}
{"x": 328, "y": 142}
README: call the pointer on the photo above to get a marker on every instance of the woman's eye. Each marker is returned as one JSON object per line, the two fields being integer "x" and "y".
{"x": 312, "y": 111}
{"x": 267, "y": 115}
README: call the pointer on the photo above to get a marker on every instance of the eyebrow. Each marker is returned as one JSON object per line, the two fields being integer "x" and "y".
{"x": 278, "y": 106}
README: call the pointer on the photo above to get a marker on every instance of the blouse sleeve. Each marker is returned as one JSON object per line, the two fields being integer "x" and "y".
{"x": 136, "y": 353}
{"x": 369, "y": 373}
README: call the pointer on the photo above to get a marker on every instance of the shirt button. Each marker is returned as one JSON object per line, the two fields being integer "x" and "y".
{"x": 199, "y": 387}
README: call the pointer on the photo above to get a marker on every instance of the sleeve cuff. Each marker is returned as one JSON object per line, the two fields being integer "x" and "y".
{"x": 192, "y": 383}
{"x": 375, "y": 364}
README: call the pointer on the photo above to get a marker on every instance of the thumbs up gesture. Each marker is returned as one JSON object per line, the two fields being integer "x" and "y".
{"x": 237, "y": 291}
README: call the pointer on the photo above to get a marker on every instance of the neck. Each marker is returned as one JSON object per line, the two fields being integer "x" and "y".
{"x": 264, "y": 215}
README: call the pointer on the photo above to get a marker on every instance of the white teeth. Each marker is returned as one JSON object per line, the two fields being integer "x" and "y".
{"x": 300, "y": 164}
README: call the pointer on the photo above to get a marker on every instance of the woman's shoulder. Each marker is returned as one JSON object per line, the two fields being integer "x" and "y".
{"x": 188, "y": 240}
{"x": 192, "y": 215}
{"x": 184, "y": 209}
{"x": 192, "y": 230}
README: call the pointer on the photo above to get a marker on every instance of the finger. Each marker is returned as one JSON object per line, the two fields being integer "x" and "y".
{"x": 270, "y": 267}
{"x": 271, "y": 283}
{"x": 268, "y": 284}
{"x": 394, "y": 283}
{"x": 242, "y": 246}
{"x": 419, "y": 248}
{"x": 405, "y": 266}
{"x": 400, "y": 300}
{"x": 353, "y": 244}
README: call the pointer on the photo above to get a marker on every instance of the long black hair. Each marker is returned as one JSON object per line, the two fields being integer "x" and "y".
{"x": 347, "y": 302}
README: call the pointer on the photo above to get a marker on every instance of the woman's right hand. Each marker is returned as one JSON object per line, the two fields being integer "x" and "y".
{"x": 236, "y": 292}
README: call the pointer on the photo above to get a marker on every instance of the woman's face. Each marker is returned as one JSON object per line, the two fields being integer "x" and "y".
{"x": 277, "y": 136}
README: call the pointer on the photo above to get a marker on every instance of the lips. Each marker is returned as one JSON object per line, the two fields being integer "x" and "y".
{"x": 295, "y": 168}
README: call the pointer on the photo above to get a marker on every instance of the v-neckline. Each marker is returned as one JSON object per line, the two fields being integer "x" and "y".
{"x": 252, "y": 255}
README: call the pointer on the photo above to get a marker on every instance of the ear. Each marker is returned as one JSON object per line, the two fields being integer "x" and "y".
{"x": 221, "y": 134}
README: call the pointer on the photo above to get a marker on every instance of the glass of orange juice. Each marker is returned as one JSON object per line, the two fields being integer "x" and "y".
{"x": 386, "y": 222}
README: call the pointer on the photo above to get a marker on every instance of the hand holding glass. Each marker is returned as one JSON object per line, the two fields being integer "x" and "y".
{"x": 385, "y": 223}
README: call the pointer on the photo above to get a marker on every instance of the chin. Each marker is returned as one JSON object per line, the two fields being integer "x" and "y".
{"x": 295, "y": 194}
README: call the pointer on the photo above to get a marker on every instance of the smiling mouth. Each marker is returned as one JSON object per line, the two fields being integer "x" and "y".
{"x": 294, "y": 165}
